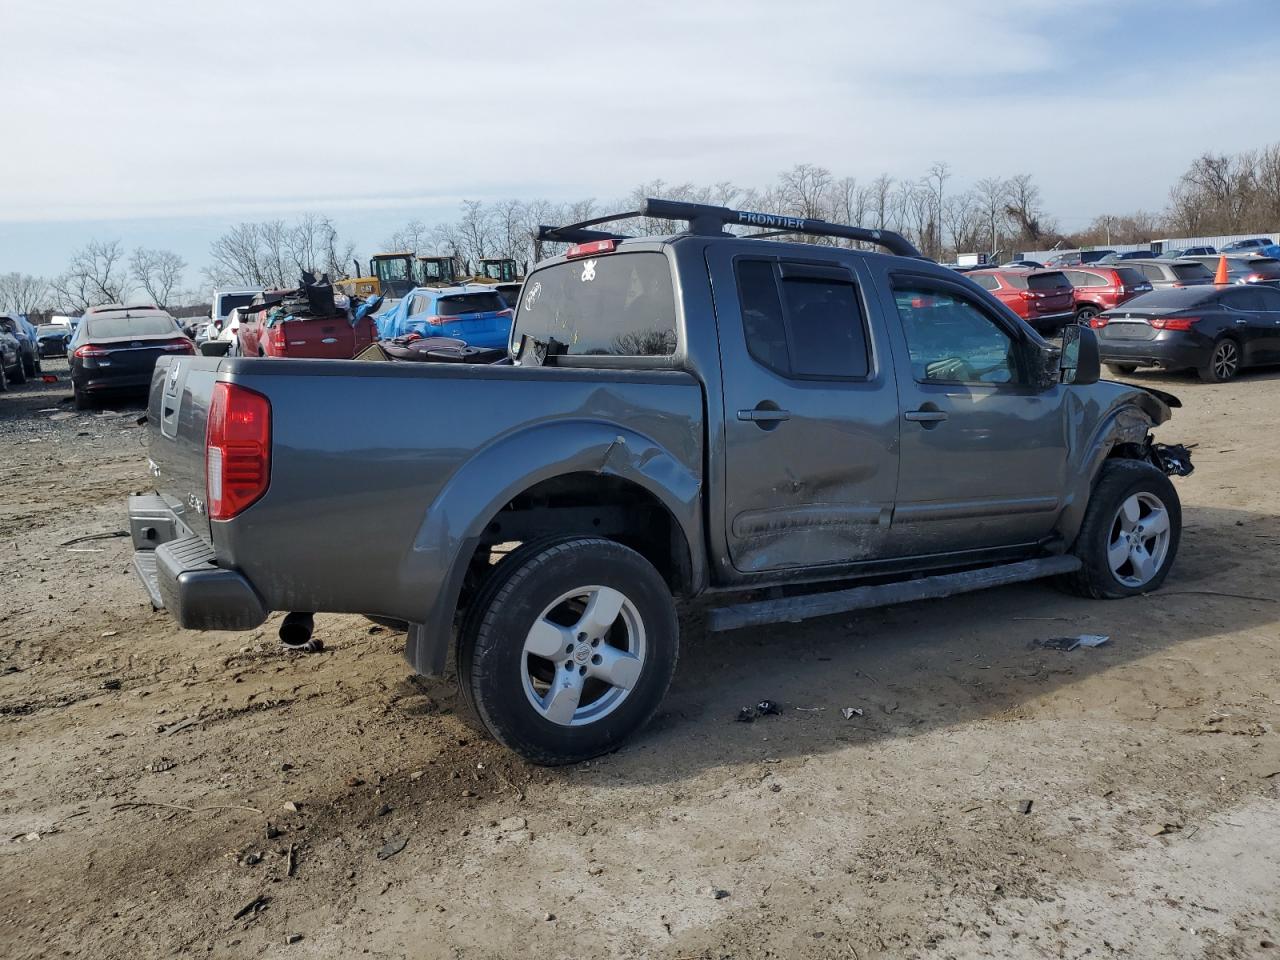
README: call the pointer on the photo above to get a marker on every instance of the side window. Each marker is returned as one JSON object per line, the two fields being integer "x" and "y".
{"x": 419, "y": 304}
{"x": 951, "y": 341}
{"x": 1243, "y": 300}
{"x": 1270, "y": 298}
{"x": 986, "y": 281}
{"x": 1151, "y": 271}
{"x": 803, "y": 323}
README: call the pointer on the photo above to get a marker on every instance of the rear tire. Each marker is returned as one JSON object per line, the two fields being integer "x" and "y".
{"x": 616, "y": 618}
{"x": 19, "y": 372}
{"x": 1122, "y": 369}
{"x": 31, "y": 366}
{"x": 1085, "y": 314}
{"x": 1223, "y": 362}
{"x": 1130, "y": 534}
{"x": 4, "y": 379}
{"x": 80, "y": 399}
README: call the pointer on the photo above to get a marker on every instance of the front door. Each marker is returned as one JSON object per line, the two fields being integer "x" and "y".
{"x": 984, "y": 449}
{"x": 811, "y": 414}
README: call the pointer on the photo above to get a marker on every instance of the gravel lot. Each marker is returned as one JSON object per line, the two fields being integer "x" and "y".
{"x": 166, "y": 792}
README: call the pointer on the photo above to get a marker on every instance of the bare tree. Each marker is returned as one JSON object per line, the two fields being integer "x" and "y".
{"x": 992, "y": 196}
{"x": 803, "y": 190}
{"x": 414, "y": 237}
{"x": 158, "y": 272}
{"x": 939, "y": 174}
{"x": 95, "y": 275}
{"x": 1022, "y": 205}
{"x": 22, "y": 293}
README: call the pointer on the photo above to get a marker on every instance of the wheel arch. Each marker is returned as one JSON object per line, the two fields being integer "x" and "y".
{"x": 566, "y": 457}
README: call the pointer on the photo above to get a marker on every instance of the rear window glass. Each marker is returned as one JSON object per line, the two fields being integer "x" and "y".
{"x": 463, "y": 303}
{"x": 1047, "y": 281}
{"x": 229, "y": 301}
{"x": 1018, "y": 280}
{"x": 614, "y": 305}
{"x": 108, "y": 328}
{"x": 1192, "y": 271}
{"x": 45, "y": 328}
{"x": 1130, "y": 277}
{"x": 1171, "y": 297}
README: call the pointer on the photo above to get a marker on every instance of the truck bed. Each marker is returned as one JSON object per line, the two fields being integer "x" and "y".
{"x": 367, "y": 459}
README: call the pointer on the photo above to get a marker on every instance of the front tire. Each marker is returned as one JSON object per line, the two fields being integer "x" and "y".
{"x": 1130, "y": 534}
{"x": 569, "y": 649}
{"x": 1223, "y": 362}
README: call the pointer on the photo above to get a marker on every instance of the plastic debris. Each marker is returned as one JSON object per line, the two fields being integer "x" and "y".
{"x": 850, "y": 712}
{"x": 1067, "y": 644}
{"x": 768, "y": 708}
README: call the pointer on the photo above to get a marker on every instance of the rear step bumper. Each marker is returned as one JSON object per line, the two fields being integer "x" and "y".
{"x": 181, "y": 575}
{"x": 882, "y": 595}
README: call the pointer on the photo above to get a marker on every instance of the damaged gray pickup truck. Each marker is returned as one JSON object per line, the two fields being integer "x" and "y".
{"x": 785, "y": 429}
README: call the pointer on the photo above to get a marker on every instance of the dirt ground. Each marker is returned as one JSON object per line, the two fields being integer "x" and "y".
{"x": 165, "y": 792}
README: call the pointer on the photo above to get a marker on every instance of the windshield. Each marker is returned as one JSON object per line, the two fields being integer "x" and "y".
{"x": 615, "y": 305}
{"x": 229, "y": 301}
{"x": 464, "y": 303}
{"x": 51, "y": 328}
{"x": 109, "y": 328}
{"x": 435, "y": 270}
{"x": 394, "y": 269}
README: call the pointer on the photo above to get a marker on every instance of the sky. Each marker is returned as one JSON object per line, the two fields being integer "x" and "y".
{"x": 162, "y": 124}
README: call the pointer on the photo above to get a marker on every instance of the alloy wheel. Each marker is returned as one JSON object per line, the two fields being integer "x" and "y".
{"x": 583, "y": 655}
{"x": 1139, "y": 541}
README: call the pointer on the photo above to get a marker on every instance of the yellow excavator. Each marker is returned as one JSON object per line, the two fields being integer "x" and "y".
{"x": 393, "y": 275}
{"x": 502, "y": 274}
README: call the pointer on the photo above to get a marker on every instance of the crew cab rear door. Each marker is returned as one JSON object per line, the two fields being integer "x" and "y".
{"x": 811, "y": 414}
{"x": 984, "y": 442}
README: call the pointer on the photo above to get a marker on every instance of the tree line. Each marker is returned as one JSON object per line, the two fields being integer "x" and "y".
{"x": 1217, "y": 194}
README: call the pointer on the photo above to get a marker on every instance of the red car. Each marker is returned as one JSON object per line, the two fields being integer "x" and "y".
{"x": 1101, "y": 288}
{"x": 1043, "y": 298}
{"x": 337, "y": 337}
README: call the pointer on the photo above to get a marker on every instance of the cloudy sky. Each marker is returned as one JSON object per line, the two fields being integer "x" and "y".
{"x": 161, "y": 123}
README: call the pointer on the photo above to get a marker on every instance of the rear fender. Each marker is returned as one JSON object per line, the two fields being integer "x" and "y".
{"x": 447, "y": 538}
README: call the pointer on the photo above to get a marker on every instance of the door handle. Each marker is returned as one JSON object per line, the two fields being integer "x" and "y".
{"x": 925, "y": 416}
{"x": 759, "y": 415}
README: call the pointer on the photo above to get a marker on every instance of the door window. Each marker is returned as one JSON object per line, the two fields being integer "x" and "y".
{"x": 951, "y": 341}
{"x": 1243, "y": 300}
{"x": 803, "y": 322}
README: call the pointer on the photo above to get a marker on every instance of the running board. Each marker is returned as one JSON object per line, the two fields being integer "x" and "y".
{"x": 790, "y": 609}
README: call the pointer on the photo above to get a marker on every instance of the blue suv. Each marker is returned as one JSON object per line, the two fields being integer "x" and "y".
{"x": 477, "y": 316}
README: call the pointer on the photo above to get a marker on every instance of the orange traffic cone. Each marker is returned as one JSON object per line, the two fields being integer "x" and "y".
{"x": 1223, "y": 275}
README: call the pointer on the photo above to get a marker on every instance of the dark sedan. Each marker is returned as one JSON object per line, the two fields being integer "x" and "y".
{"x": 115, "y": 349}
{"x": 1214, "y": 330}
{"x": 52, "y": 339}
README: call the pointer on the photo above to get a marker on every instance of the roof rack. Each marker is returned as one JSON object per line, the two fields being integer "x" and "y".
{"x": 708, "y": 220}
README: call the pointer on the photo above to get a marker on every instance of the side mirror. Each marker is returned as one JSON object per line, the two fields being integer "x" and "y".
{"x": 1079, "y": 362}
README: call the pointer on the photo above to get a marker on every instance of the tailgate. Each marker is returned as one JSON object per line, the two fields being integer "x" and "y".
{"x": 331, "y": 338}
{"x": 177, "y": 411}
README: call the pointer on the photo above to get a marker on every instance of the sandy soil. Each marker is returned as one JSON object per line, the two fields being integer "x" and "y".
{"x": 164, "y": 792}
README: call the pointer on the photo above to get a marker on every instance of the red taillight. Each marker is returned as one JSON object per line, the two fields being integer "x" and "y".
{"x": 237, "y": 449}
{"x": 1173, "y": 323}
{"x": 178, "y": 346}
{"x": 1100, "y": 321}
{"x": 90, "y": 352}
{"x": 1254, "y": 278}
{"x": 590, "y": 249}
{"x": 1026, "y": 295}
{"x": 275, "y": 338}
